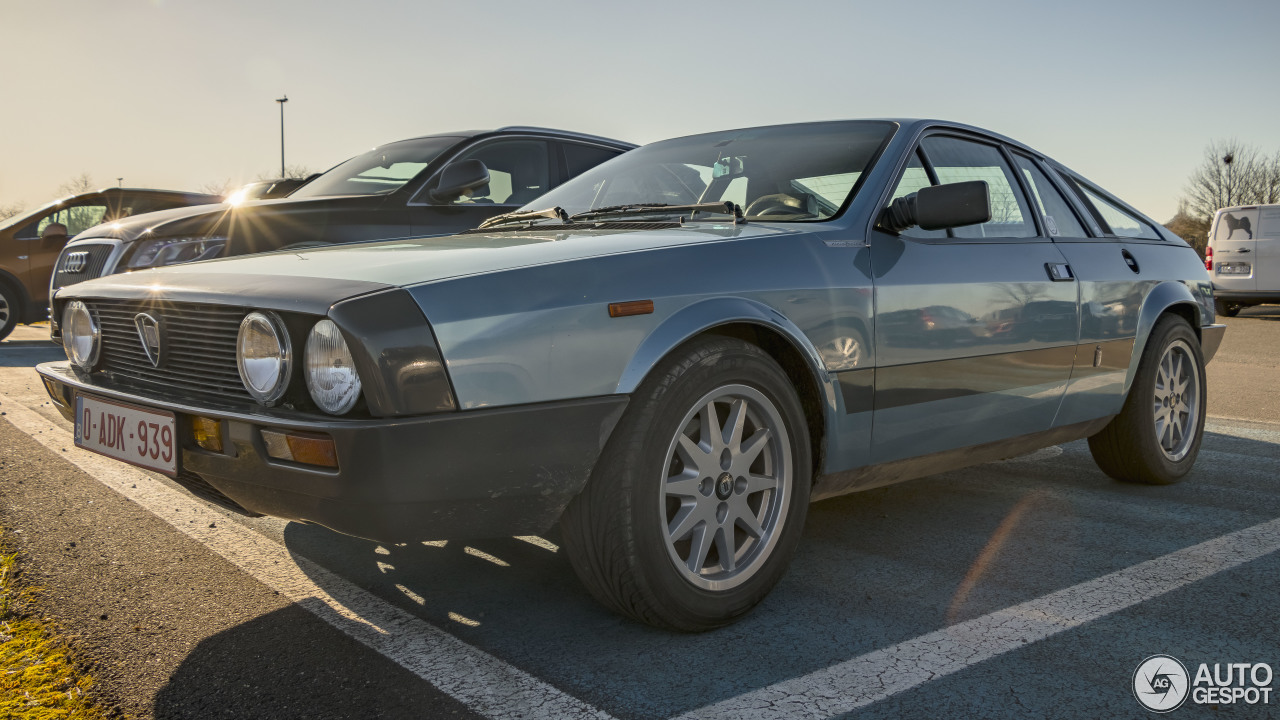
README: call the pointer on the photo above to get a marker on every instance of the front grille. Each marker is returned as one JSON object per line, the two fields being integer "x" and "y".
{"x": 94, "y": 264}
{"x": 199, "y": 350}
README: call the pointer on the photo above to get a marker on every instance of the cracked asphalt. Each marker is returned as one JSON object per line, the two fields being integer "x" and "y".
{"x": 924, "y": 578}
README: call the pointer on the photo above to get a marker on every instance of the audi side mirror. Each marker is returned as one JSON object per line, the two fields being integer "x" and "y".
{"x": 457, "y": 178}
{"x": 939, "y": 207}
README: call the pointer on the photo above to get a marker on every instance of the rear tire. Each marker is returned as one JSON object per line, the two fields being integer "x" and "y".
{"x": 1156, "y": 437}
{"x": 686, "y": 529}
{"x": 10, "y": 309}
{"x": 1228, "y": 309}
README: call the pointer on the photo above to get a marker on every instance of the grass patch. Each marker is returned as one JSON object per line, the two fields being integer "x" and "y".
{"x": 39, "y": 680}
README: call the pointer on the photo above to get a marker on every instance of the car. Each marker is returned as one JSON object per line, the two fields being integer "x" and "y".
{"x": 431, "y": 185}
{"x": 670, "y": 356}
{"x": 30, "y": 242}
{"x": 1243, "y": 257}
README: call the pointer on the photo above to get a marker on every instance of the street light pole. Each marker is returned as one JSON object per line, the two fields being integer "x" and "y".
{"x": 282, "y": 101}
{"x": 1227, "y": 160}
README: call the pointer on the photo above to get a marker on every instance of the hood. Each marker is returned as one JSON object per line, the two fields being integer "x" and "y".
{"x": 401, "y": 263}
{"x": 208, "y": 220}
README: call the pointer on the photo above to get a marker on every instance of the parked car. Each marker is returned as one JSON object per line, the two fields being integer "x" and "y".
{"x": 1243, "y": 257}
{"x": 432, "y": 185}
{"x": 30, "y": 242}
{"x": 671, "y": 355}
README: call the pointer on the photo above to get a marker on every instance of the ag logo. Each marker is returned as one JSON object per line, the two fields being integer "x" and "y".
{"x": 1161, "y": 683}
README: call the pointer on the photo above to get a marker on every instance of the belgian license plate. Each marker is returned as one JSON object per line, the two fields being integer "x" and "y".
{"x": 1233, "y": 268}
{"x": 139, "y": 436}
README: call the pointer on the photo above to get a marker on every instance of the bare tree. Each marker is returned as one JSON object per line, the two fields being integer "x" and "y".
{"x": 216, "y": 187}
{"x": 291, "y": 172}
{"x": 1194, "y": 230}
{"x": 8, "y": 211}
{"x": 1232, "y": 173}
{"x": 81, "y": 183}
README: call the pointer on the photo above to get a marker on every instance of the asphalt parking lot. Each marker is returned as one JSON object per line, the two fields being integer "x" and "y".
{"x": 1032, "y": 587}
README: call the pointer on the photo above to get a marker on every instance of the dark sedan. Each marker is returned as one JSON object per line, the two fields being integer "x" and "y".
{"x": 432, "y": 185}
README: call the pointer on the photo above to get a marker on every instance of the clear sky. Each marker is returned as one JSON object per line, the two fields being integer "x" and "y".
{"x": 180, "y": 93}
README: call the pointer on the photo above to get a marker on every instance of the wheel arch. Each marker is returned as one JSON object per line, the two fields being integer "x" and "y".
{"x": 760, "y": 325}
{"x": 1166, "y": 298}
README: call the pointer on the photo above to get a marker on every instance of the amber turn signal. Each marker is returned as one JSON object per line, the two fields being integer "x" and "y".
{"x": 635, "y": 307}
{"x": 207, "y": 432}
{"x": 301, "y": 448}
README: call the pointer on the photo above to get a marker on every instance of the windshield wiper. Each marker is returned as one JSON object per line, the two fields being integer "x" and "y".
{"x": 724, "y": 208}
{"x": 555, "y": 213}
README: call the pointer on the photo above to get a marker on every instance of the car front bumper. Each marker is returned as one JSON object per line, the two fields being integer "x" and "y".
{"x": 479, "y": 473}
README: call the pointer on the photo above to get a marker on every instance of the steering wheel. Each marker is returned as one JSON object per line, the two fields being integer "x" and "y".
{"x": 778, "y": 203}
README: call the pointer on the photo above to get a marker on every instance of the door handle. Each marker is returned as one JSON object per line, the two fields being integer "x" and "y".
{"x": 1059, "y": 272}
{"x": 1244, "y": 250}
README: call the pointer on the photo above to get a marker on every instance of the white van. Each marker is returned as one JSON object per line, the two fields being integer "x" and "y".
{"x": 1243, "y": 257}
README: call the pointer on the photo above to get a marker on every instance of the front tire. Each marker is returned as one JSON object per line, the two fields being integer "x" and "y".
{"x": 10, "y": 310}
{"x": 699, "y": 498}
{"x": 1156, "y": 437}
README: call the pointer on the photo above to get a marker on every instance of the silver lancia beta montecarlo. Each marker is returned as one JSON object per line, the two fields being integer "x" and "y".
{"x": 671, "y": 355}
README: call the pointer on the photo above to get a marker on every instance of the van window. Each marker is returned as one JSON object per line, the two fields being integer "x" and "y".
{"x": 1238, "y": 225}
{"x": 1269, "y": 221}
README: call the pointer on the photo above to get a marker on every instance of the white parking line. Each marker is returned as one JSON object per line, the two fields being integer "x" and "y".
{"x": 480, "y": 681}
{"x": 884, "y": 673}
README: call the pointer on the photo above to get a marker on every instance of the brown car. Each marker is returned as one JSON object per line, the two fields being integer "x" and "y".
{"x": 30, "y": 243}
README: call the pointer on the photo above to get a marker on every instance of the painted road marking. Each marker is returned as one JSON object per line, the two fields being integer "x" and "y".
{"x": 881, "y": 674}
{"x": 480, "y": 681}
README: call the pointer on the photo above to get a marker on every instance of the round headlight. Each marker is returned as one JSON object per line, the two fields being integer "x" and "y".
{"x": 262, "y": 354}
{"x": 80, "y": 335}
{"x": 331, "y": 371}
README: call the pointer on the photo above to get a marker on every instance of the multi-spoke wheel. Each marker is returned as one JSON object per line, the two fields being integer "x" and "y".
{"x": 697, "y": 503}
{"x": 1156, "y": 437}
{"x": 727, "y": 488}
{"x": 9, "y": 310}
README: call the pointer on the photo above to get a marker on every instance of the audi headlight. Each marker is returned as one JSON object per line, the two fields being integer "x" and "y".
{"x": 263, "y": 356}
{"x": 331, "y": 371}
{"x": 158, "y": 252}
{"x": 80, "y": 335}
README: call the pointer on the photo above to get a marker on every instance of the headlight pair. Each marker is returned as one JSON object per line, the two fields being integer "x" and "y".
{"x": 264, "y": 357}
{"x": 158, "y": 252}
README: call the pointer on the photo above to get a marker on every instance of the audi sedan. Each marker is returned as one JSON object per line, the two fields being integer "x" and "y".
{"x": 670, "y": 356}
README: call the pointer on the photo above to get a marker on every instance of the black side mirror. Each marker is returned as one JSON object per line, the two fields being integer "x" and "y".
{"x": 459, "y": 177}
{"x": 939, "y": 207}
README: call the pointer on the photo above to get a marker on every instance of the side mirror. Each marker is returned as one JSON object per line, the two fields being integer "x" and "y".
{"x": 457, "y": 178}
{"x": 939, "y": 207}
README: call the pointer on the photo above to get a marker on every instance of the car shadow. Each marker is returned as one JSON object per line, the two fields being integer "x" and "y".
{"x": 873, "y": 569}
{"x": 290, "y": 664}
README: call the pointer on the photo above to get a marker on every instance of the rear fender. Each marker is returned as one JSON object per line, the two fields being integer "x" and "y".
{"x": 1164, "y": 296}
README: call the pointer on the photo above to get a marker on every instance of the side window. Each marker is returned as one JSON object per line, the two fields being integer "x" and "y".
{"x": 956, "y": 160}
{"x": 1122, "y": 222}
{"x": 914, "y": 177}
{"x": 581, "y": 158}
{"x": 77, "y": 219}
{"x": 1059, "y": 221}
{"x": 519, "y": 171}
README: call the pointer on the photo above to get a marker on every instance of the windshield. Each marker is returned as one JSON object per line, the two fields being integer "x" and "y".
{"x": 380, "y": 171}
{"x": 787, "y": 173}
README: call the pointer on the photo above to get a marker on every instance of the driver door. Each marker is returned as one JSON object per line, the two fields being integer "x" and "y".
{"x": 974, "y": 339}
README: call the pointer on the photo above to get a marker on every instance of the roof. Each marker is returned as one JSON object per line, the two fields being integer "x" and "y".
{"x": 527, "y": 129}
